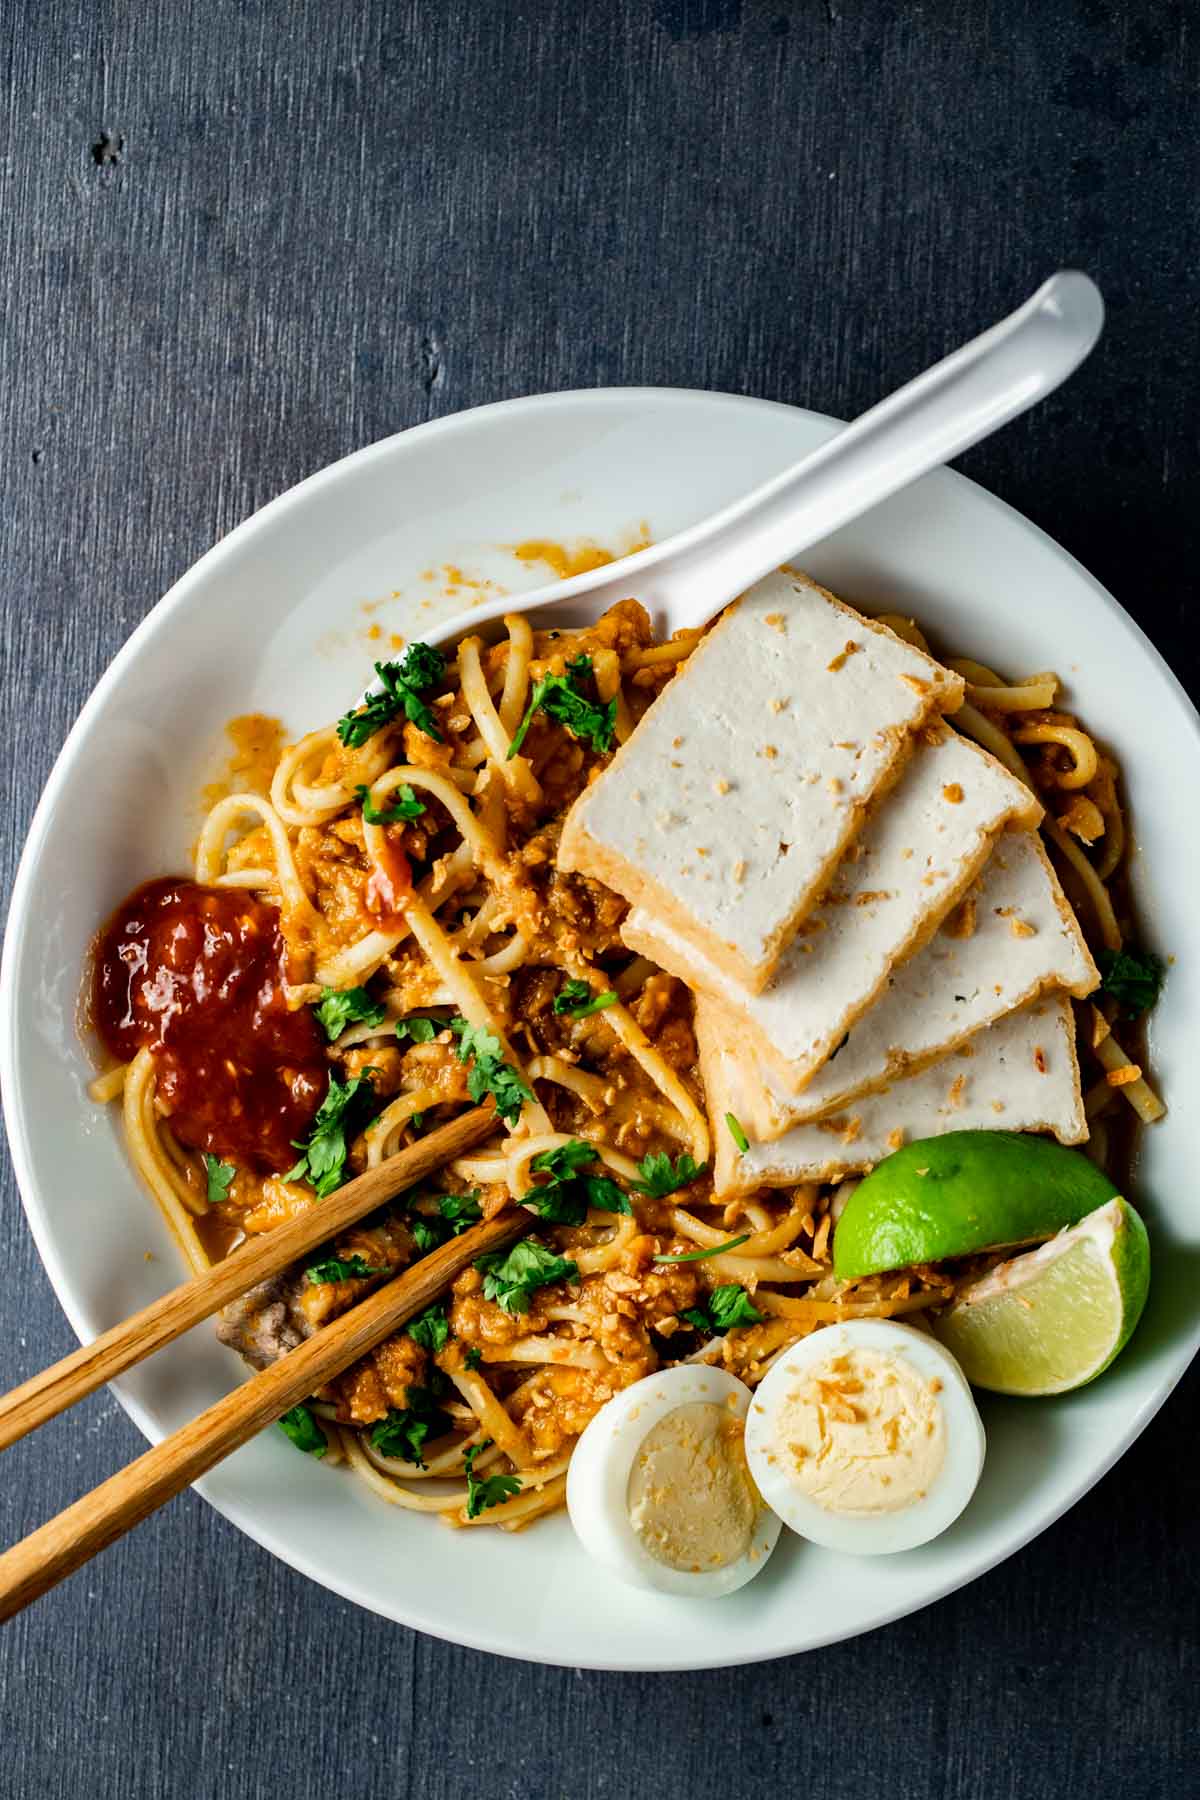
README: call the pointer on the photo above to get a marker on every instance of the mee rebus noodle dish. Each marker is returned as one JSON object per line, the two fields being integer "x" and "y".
{"x": 720, "y": 924}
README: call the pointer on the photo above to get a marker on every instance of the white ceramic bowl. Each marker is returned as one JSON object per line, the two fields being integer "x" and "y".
{"x": 273, "y": 619}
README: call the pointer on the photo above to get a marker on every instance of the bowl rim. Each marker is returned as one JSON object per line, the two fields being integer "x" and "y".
{"x": 18, "y": 919}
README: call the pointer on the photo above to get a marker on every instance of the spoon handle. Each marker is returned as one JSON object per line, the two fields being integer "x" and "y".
{"x": 960, "y": 400}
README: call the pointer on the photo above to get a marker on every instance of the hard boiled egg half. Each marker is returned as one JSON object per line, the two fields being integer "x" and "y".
{"x": 864, "y": 1437}
{"x": 658, "y": 1488}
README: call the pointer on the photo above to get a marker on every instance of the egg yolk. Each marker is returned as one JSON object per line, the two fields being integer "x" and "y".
{"x": 690, "y": 1498}
{"x": 862, "y": 1433}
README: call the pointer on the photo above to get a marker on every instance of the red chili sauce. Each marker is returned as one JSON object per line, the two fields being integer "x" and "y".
{"x": 197, "y": 974}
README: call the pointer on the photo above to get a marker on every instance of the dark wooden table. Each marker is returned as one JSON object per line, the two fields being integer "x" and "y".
{"x": 242, "y": 239}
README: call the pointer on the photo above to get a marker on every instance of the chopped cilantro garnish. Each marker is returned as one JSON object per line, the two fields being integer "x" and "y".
{"x": 455, "y": 1213}
{"x": 1132, "y": 977}
{"x": 403, "y": 684}
{"x": 660, "y": 1177}
{"x": 510, "y": 1277}
{"x": 700, "y": 1255}
{"x": 728, "y": 1305}
{"x": 564, "y": 1199}
{"x": 416, "y": 1031}
{"x": 473, "y": 1357}
{"x": 341, "y": 1268}
{"x": 737, "y": 1134}
{"x": 559, "y": 698}
{"x": 576, "y": 999}
{"x": 301, "y": 1426}
{"x": 403, "y": 1433}
{"x": 339, "y": 1007}
{"x": 220, "y": 1176}
{"x": 460, "y": 1210}
{"x": 431, "y": 1329}
{"x": 493, "y": 1490}
{"x": 428, "y": 1234}
{"x": 405, "y": 806}
{"x": 489, "y": 1073}
{"x": 323, "y": 1164}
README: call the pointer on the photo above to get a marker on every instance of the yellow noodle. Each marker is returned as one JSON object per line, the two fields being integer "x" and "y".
{"x": 567, "y": 1353}
{"x": 515, "y": 696}
{"x": 141, "y": 1134}
{"x": 661, "y": 655}
{"x": 533, "y": 1506}
{"x": 589, "y": 1088}
{"x": 1095, "y": 889}
{"x": 109, "y": 1085}
{"x": 393, "y": 1491}
{"x": 391, "y": 1122}
{"x": 210, "y": 853}
{"x": 354, "y": 964}
{"x": 1078, "y": 745}
{"x": 766, "y": 1242}
{"x": 903, "y": 627}
{"x": 1034, "y": 694}
{"x": 601, "y": 1257}
{"x": 1140, "y": 1095}
{"x": 607, "y": 667}
{"x": 492, "y": 1415}
{"x": 693, "y": 1127}
{"x": 824, "y": 1312}
{"x": 545, "y": 1494}
{"x": 457, "y": 977}
{"x": 515, "y": 772}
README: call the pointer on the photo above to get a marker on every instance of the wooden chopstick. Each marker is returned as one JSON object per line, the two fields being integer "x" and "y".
{"x": 89, "y": 1367}
{"x": 59, "y": 1547}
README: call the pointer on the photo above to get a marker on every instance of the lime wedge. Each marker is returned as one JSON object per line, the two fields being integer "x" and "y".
{"x": 961, "y": 1193}
{"x": 1052, "y": 1319}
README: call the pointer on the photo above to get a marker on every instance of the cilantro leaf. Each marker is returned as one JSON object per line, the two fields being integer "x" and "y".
{"x": 511, "y": 1276}
{"x": 702, "y": 1255}
{"x": 403, "y": 684}
{"x": 473, "y": 1357}
{"x": 564, "y": 1199}
{"x": 428, "y": 1234}
{"x": 1132, "y": 977}
{"x": 220, "y": 1176}
{"x": 341, "y": 1268}
{"x": 431, "y": 1329}
{"x": 604, "y": 1194}
{"x": 300, "y": 1425}
{"x": 489, "y": 1073}
{"x": 323, "y": 1164}
{"x": 460, "y": 1210}
{"x": 728, "y": 1306}
{"x": 559, "y": 698}
{"x": 416, "y": 1031}
{"x": 403, "y": 1433}
{"x": 339, "y": 1007}
{"x": 493, "y": 1490}
{"x": 405, "y": 806}
{"x": 576, "y": 1000}
{"x": 660, "y": 1178}
{"x": 455, "y": 1213}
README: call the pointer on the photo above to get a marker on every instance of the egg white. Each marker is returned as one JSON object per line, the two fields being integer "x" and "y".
{"x": 882, "y": 1533}
{"x": 598, "y": 1481}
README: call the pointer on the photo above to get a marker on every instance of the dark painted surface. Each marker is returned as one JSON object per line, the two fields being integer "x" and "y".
{"x": 242, "y": 239}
